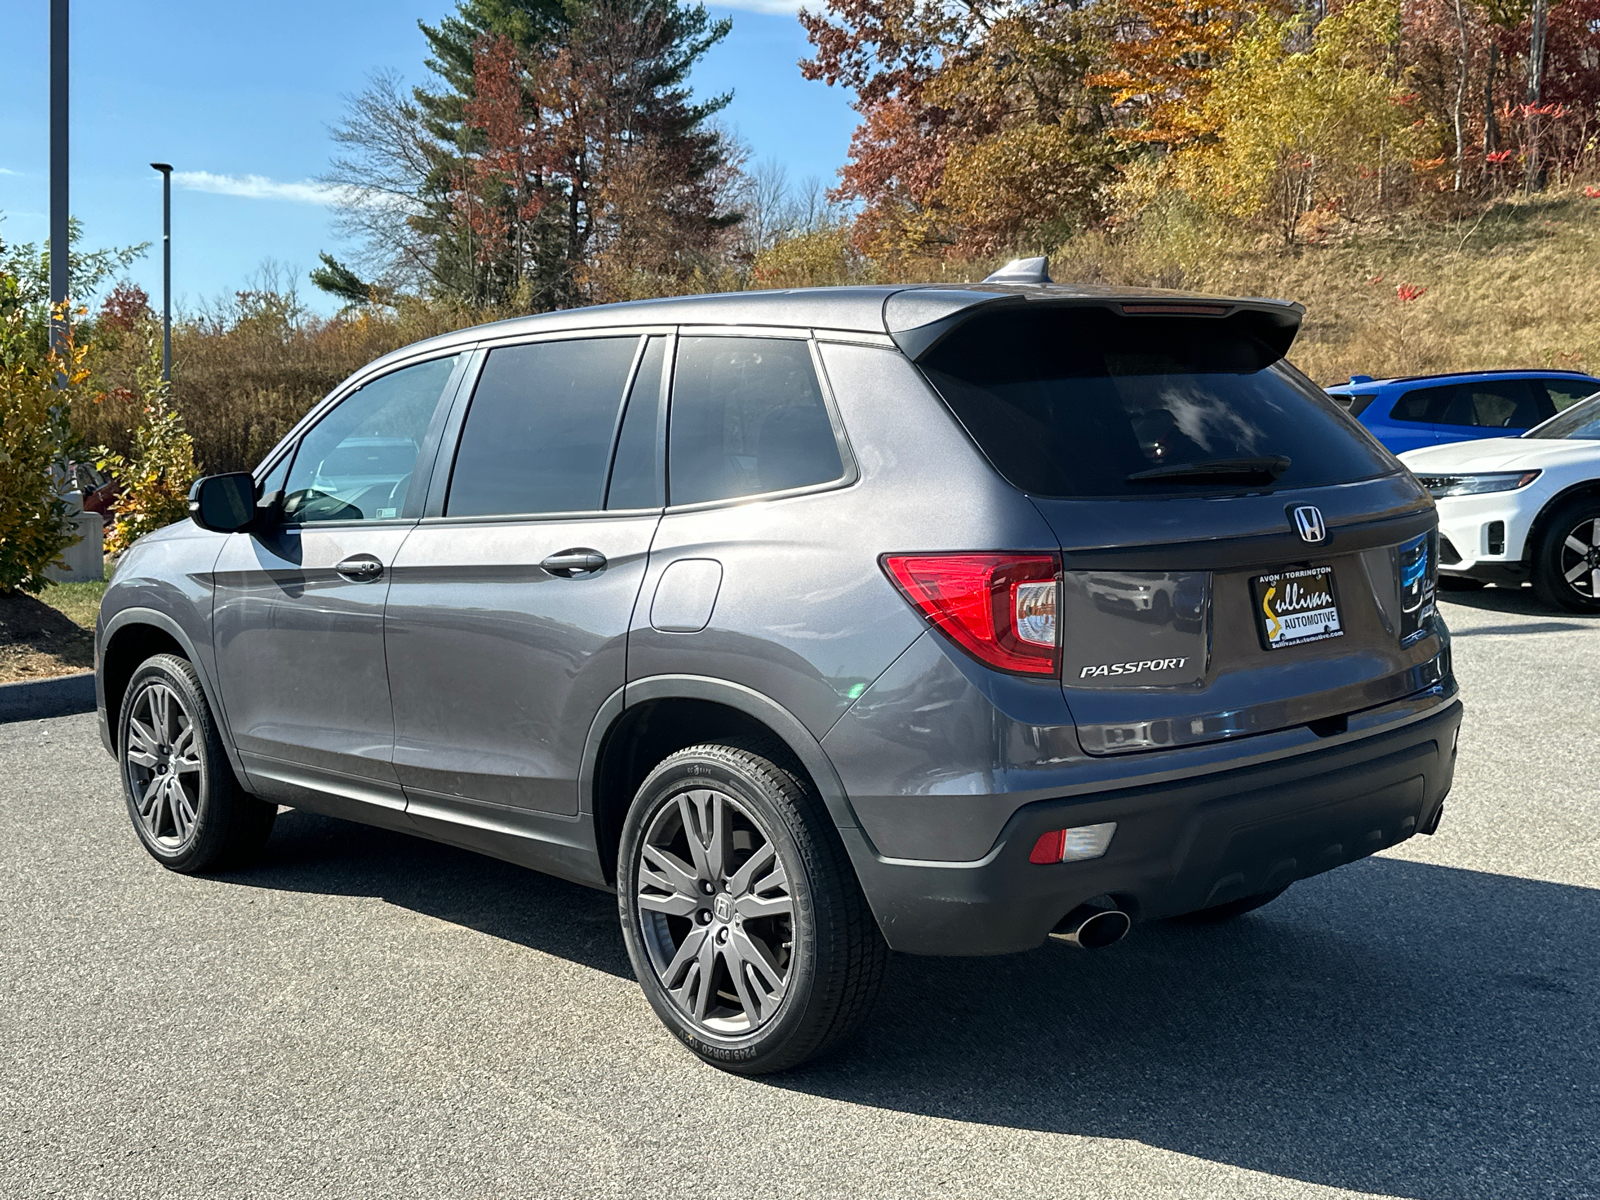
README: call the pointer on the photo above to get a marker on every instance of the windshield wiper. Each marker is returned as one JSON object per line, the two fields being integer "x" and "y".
{"x": 1263, "y": 469}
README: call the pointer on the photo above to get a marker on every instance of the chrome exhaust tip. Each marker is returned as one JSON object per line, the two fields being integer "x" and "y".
{"x": 1092, "y": 928}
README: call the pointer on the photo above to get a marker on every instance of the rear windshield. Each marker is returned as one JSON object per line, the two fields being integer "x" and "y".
{"x": 1073, "y": 402}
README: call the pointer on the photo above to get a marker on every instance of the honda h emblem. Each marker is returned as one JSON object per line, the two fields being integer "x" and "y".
{"x": 1308, "y": 520}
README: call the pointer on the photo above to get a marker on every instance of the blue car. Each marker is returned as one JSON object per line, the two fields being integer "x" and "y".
{"x": 1429, "y": 410}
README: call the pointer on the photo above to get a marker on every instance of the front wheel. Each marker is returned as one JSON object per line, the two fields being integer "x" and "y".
{"x": 743, "y": 918}
{"x": 187, "y": 808}
{"x": 1566, "y": 562}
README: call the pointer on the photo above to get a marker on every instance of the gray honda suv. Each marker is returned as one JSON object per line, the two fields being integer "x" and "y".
{"x": 814, "y": 624}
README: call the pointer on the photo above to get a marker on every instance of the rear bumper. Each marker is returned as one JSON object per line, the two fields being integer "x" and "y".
{"x": 1179, "y": 846}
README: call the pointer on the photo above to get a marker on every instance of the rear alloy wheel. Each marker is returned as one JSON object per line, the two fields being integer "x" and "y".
{"x": 1566, "y": 566}
{"x": 186, "y": 806}
{"x": 745, "y": 923}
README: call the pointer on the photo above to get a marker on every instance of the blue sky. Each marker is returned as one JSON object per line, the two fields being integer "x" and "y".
{"x": 240, "y": 96}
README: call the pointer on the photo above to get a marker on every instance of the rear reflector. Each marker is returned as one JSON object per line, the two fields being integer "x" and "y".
{"x": 999, "y": 608}
{"x": 1073, "y": 845}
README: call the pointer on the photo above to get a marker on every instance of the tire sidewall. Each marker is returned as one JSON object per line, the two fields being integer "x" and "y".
{"x": 169, "y": 671}
{"x": 1548, "y": 578}
{"x": 691, "y": 770}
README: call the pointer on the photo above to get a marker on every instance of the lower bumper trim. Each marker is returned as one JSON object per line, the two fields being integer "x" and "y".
{"x": 1179, "y": 847}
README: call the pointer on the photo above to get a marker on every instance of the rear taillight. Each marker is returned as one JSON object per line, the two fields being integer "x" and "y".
{"x": 999, "y": 608}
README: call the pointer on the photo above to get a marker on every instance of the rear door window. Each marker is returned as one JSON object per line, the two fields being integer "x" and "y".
{"x": 539, "y": 430}
{"x": 1496, "y": 404}
{"x": 747, "y": 417}
{"x": 1077, "y": 402}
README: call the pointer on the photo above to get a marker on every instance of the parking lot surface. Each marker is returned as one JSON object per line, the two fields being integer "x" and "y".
{"x": 367, "y": 1014}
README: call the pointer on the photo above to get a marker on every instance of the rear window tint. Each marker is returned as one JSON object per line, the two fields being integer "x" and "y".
{"x": 747, "y": 417}
{"x": 1071, "y": 402}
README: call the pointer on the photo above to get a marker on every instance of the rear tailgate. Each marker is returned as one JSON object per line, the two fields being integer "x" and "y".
{"x": 1167, "y": 643}
{"x": 1237, "y": 555}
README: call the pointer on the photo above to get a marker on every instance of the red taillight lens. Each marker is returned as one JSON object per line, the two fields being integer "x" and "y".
{"x": 999, "y": 608}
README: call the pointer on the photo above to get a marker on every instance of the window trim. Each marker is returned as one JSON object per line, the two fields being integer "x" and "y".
{"x": 288, "y": 448}
{"x": 851, "y": 474}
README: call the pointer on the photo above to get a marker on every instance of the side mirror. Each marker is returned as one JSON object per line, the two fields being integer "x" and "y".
{"x": 223, "y": 503}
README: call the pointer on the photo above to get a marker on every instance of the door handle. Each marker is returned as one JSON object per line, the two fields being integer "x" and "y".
{"x": 569, "y": 564}
{"x": 362, "y": 568}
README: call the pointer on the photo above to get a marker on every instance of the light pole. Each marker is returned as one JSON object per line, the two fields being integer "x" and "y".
{"x": 166, "y": 270}
{"x": 60, "y": 222}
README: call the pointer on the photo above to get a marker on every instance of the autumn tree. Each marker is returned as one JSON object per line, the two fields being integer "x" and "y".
{"x": 560, "y": 158}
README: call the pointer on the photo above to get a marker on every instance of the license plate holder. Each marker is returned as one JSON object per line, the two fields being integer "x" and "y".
{"x": 1297, "y": 606}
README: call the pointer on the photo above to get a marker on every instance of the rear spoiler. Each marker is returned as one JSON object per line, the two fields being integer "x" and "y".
{"x": 917, "y": 319}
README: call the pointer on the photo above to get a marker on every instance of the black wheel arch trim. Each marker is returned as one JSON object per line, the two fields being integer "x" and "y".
{"x": 784, "y": 724}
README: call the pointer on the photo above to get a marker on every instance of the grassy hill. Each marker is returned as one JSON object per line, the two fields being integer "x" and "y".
{"x": 1517, "y": 287}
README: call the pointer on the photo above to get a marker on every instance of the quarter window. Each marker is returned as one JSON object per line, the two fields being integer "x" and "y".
{"x": 1422, "y": 405}
{"x": 636, "y": 477}
{"x": 358, "y": 463}
{"x": 538, "y": 434}
{"x": 747, "y": 417}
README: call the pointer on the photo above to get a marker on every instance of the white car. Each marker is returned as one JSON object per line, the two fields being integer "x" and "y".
{"x": 1522, "y": 508}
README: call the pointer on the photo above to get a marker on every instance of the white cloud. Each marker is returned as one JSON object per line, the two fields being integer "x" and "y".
{"x": 259, "y": 187}
{"x": 782, "y": 8}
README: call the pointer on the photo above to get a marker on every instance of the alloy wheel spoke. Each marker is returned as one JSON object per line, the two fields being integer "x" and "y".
{"x": 753, "y": 907}
{"x": 707, "y": 965}
{"x": 150, "y": 801}
{"x": 666, "y": 872}
{"x": 672, "y": 904}
{"x": 748, "y": 996}
{"x": 739, "y": 884}
{"x": 161, "y": 712}
{"x": 691, "y": 810}
{"x": 141, "y": 736}
{"x": 765, "y": 972}
{"x": 178, "y": 804}
{"x": 685, "y": 958}
{"x": 1578, "y": 571}
{"x": 1577, "y": 547}
{"x": 1594, "y": 582}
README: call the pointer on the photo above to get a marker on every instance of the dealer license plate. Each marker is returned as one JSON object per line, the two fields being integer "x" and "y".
{"x": 1296, "y": 606}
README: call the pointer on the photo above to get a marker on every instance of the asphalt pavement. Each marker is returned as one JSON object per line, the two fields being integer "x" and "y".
{"x": 365, "y": 1014}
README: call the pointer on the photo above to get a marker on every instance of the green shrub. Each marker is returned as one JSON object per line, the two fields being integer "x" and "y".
{"x": 35, "y": 439}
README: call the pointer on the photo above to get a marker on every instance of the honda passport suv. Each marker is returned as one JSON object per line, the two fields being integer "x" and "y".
{"x": 814, "y": 624}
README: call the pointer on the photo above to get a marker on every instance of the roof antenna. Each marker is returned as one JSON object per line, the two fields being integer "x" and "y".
{"x": 1023, "y": 270}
